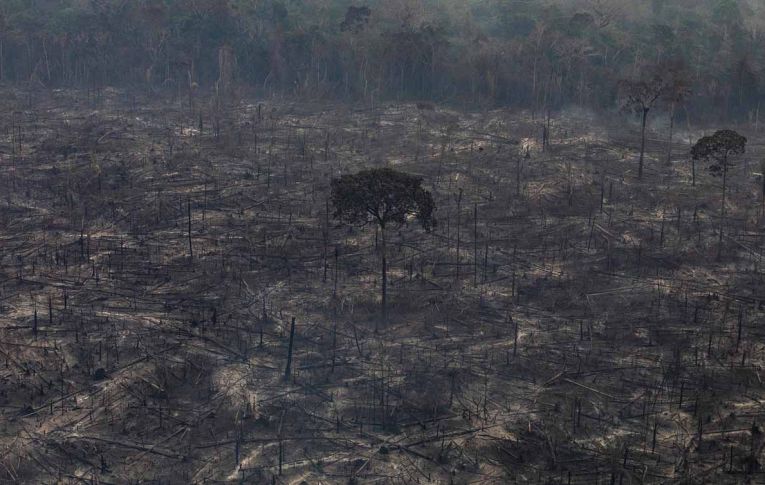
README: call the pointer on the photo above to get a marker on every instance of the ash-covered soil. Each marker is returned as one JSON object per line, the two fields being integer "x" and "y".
{"x": 565, "y": 322}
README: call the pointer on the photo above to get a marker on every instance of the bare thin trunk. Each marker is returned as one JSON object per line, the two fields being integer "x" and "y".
{"x": 288, "y": 368}
{"x": 459, "y": 209}
{"x": 722, "y": 206}
{"x": 475, "y": 244}
{"x": 383, "y": 248}
{"x": 47, "y": 61}
{"x": 671, "y": 132}
{"x": 191, "y": 248}
{"x": 642, "y": 143}
{"x": 762, "y": 198}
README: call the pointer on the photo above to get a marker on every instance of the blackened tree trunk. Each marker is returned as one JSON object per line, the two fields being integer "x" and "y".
{"x": 671, "y": 132}
{"x": 722, "y": 205}
{"x": 191, "y": 248}
{"x": 642, "y": 143}
{"x": 288, "y": 369}
{"x": 383, "y": 248}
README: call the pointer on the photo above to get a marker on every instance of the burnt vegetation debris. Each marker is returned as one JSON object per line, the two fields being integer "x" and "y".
{"x": 472, "y": 242}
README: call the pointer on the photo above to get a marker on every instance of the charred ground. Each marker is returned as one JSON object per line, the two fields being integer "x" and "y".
{"x": 565, "y": 322}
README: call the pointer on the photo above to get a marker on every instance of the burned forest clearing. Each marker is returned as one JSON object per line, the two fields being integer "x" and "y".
{"x": 178, "y": 303}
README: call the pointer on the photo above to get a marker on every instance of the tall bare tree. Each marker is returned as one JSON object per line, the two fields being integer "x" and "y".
{"x": 641, "y": 95}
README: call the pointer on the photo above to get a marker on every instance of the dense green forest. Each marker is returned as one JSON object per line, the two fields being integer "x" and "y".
{"x": 539, "y": 54}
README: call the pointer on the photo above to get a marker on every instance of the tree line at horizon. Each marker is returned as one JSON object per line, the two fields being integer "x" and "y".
{"x": 531, "y": 54}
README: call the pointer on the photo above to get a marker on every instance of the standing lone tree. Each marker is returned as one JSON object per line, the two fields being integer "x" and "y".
{"x": 385, "y": 197}
{"x": 642, "y": 96}
{"x": 717, "y": 149}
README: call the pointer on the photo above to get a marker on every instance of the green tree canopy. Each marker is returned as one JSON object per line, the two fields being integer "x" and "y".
{"x": 384, "y": 196}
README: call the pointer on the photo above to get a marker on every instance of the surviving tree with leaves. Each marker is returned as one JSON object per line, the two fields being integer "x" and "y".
{"x": 717, "y": 149}
{"x": 385, "y": 197}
